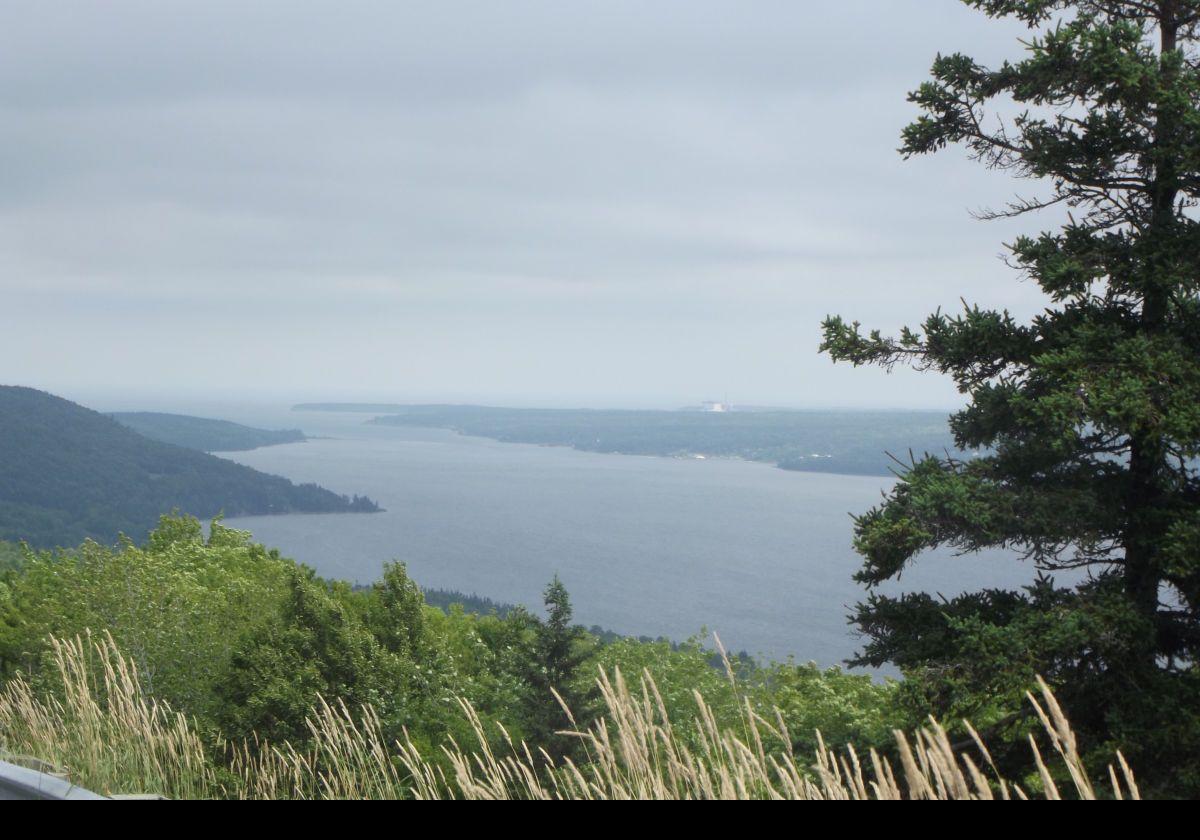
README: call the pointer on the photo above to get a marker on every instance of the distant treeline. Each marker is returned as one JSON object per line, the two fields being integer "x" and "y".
{"x": 203, "y": 433}
{"x": 850, "y": 442}
{"x": 443, "y": 599}
{"x": 70, "y": 473}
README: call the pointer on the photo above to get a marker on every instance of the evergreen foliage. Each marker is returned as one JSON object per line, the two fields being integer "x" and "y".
{"x": 555, "y": 666}
{"x": 1090, "y": 412}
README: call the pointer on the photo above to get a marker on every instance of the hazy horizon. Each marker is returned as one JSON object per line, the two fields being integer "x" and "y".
{"x": 182, "y": 402}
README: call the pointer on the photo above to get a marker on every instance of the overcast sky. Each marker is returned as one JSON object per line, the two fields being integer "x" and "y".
{"x": 558, "y": 203}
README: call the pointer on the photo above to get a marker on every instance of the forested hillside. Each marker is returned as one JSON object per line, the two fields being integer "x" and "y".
{"x": 71, "y": 473}
{"x": 202, "y": 433}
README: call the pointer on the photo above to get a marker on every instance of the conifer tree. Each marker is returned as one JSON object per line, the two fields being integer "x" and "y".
{"x": 1088, "y": 416}
{"x": 559, "y": 652}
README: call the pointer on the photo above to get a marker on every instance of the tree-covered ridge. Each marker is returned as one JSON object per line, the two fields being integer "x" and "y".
{"x": 849, "y": 442}
{"x": 71, "y": 473}
{"x": 202, "y": 433}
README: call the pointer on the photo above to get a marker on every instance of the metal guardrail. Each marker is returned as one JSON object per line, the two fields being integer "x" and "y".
{"x": 17, "y": 782}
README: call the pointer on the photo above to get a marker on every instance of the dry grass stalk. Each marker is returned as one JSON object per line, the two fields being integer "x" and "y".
{"x": 634, "y": 754}
{"x": 111, "y": 738}
{"x": 103, "y": 732}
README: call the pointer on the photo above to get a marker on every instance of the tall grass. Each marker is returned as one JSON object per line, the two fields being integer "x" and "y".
{"x": 633, "y": 753}
{"x": 101, "y": 729}
{"x": 348, "y": 759}
{"x": 109, "y": 736}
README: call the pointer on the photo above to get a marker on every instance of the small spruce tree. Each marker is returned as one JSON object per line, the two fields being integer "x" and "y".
{"x": 559, "y": 651}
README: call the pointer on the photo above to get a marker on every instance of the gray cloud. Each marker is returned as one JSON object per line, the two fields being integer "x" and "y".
{"x": 641, "y": 201}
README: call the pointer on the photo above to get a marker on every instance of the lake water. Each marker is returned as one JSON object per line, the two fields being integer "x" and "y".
{"x": 646, "y": 546}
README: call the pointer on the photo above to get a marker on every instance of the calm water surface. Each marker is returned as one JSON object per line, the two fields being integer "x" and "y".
{"x": 646, "y": 546}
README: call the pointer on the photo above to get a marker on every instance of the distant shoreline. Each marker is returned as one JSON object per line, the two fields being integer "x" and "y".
{"x": 853, "y": 443}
